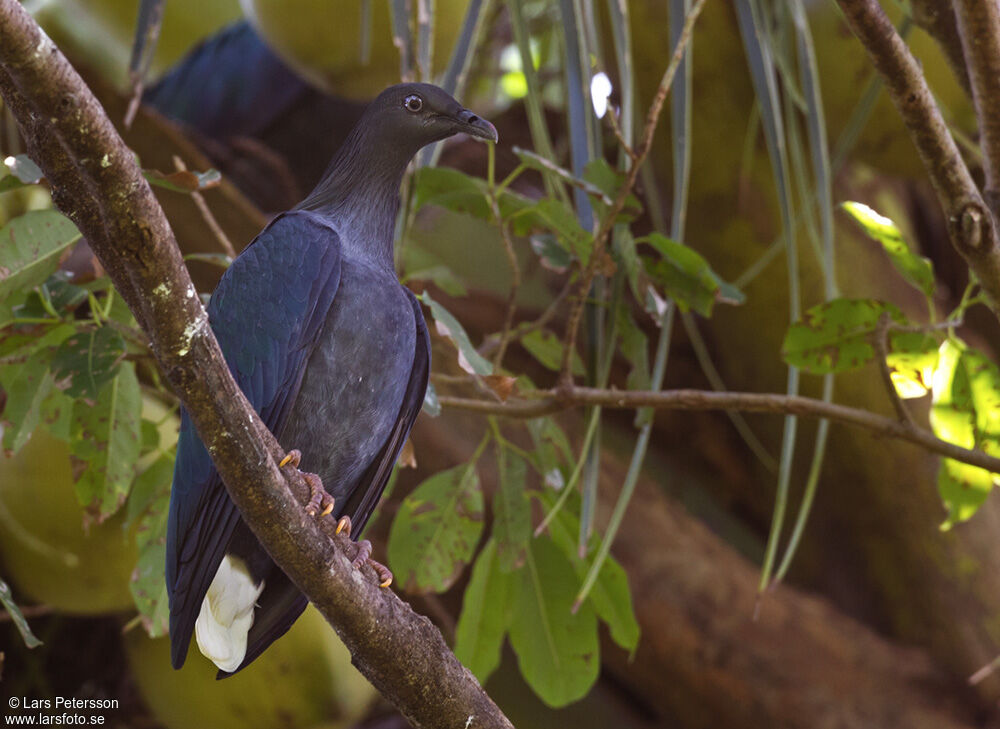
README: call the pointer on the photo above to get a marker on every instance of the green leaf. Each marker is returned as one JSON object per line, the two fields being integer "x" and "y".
{"x": 106, "y": 443}
{"x": 88, "y": 360}
{"x": 452, "y": 190}
{"x": 836, "y": 336}
{"x": 610, "y": 596}
{"x": 912, "y": 359}
{"x": 683, "y": 274}
{"x": 186, "y": 181}
{"x": 964, "y": 411}
{"x": 635, "y": 347}
{"x": 557, "y": 650}
{"x": 547, "y": 348}
{"x": 562, "y": 221}
{"x": 916, "y": 269}
{"x": 552, "y": 253}
{"x": 447, "y": 326}
{"x": 17, "y": 617}
{"x": 435, "y": 532}
{"x": 432, "y": 405}
{"x": 422, "y": 265}
{"x": 551, "y": 451}
{"x": 147, "y": 508}
{"x": 27, "y": 385}
{"x": 149, "y": 589}
{"x": 511, "y": 510}
{"x": 486, "y": 614}
{"x": 30, "y": 248}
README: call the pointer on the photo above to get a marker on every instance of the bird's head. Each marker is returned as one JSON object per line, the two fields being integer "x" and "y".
{"x": 420, "y": 114}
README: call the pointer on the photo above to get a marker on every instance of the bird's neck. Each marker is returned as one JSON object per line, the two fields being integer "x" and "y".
{"x": 360, "y": 193}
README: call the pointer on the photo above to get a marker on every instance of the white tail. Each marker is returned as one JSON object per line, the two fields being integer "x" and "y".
{"x": 227, "y": 614}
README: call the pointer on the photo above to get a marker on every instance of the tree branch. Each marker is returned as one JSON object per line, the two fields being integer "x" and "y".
{"x": 96, "y": 182}
{"x": 938, "y": 20}
{"x": 979, "y": 28}
{"x": 970, "y": 224}
{"x": 547, "y": 402}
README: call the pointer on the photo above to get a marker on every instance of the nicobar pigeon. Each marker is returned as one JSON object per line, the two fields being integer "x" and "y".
{"x": 332, "y": 351}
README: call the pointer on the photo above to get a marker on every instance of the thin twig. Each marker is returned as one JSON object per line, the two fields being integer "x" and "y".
{"x": 547, "y": 402}
{"x": 608, "y": 222}
{"x": 880, "y": 341}
{"x": 206, "y": 213}
{"x": 971, "y": 227}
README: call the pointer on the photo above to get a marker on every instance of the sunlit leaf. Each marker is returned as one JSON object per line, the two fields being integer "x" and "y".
{"x": 447, "y": 326}
{"x": 511, "y": 512}
{"x": 912, "y": 359}
{"x": 966, "y": 393}
{"x": 557, "y": 650}
{"x": 486, "y": 613}
{"x": 30, "y": 248}
{"x": 106, "y": 443}
{"x": 435, "y": 532}
{"x": 916, "y": 269}
{"x": 836, "y": 336}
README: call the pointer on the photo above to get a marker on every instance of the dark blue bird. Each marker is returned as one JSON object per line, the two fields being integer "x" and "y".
{"x": 332, "y": 352}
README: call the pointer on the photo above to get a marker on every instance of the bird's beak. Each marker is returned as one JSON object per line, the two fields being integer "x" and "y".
{"x": 476, "y": 126}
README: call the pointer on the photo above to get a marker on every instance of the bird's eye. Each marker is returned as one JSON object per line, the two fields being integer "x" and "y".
{"x": 413, "y": 103}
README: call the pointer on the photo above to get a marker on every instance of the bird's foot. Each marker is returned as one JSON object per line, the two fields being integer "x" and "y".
{"x": 320, "y": 502}
{"x": 363, "y": 555}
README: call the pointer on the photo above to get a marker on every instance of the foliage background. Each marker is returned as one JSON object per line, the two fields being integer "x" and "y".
{"x": 745, "y": 172}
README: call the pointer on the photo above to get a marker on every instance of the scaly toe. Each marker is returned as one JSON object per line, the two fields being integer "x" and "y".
{"x": 293, "y": 458}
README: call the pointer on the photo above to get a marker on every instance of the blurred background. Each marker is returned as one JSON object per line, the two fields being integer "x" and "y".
{"x": 776, "y": 117}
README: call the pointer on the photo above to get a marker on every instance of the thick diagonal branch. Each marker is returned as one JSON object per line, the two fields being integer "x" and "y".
{"x": 96, "y": 182}
{"x": 970, "y": 223}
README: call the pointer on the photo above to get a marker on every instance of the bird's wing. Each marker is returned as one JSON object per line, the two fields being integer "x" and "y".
{"x": 230, "y": 85}
{"x": 362, "y": 502}
{"x": 267, "y": 314}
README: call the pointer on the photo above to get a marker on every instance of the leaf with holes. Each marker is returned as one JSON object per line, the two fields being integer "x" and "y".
{"x": 435, "y": 532}
{"x": 106, "y": 443}
{"x": 557, "y": 650}
{"x": 87, "y": 360}
{"x": 916, "y": 269}
{"x": 447, "y": 326}
{"x": 147, "y": 509}
{"x": 966, "y": 412}
{"x": 486, "y": 612}
{"x": 27, "y": 384}
{"x": 511, "y": 510}
{"x": 30, "y": 248}
{"x": 836, "y": 336}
